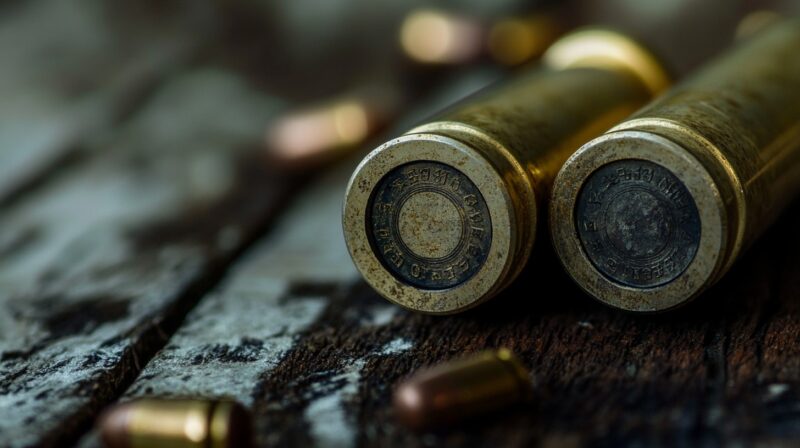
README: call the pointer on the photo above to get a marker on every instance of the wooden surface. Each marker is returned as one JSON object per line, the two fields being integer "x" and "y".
{"x": 147, "y": 249}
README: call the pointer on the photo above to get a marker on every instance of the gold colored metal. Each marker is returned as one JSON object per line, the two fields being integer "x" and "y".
{"x": 438, "y": 37}
{"x": 432, "y": 36}
{"x": 655, "y": 211}
{"x": 162, "y": 423}
{"x": 516, "y": 40}
{"x": 457, "y": 390}
{"x": 323, "y": 132}
{"x": 611, "y": 50}
{"x": 444, "y": 217}
{"x": 756, "y": 21}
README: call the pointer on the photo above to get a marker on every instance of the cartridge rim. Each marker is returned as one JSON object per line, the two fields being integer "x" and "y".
{"x": 687, "y": 278}
{"x": 499, "y": 219}
{"x": 600, "y": 47}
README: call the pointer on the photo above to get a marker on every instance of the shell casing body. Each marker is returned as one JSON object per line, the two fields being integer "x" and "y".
{"x": 177, "y": 423}
{"x": 443, "y": 217}
{"x": 650, "y": 214}
{"x": 457, "y": 390}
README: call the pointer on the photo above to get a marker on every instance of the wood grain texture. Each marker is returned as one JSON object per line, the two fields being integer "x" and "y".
{"x": 316, "y": 355}
{"x": 71, "y": 70}
{"x": 722, "y": 371}
{"x": 110, "y": 288}
{"x": 100, "y": 264}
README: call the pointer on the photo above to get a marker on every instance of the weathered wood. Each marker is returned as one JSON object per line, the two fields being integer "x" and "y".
{"x": 241, "y": 331}
{"x": 316, "y": 355}
{"x": 101, "y": 263}
{"x": 722, "y": 371}
{"x": 70, "y": 71}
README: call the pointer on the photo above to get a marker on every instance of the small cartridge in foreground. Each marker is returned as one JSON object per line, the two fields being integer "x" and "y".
{"x": 173, "y": 423}
{"x": 444, "y": 217}
{"x": 457, "y": 390}
{"x": 655, "y": 211}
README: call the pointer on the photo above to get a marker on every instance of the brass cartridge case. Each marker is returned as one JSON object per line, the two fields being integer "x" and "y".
{"x": 177, "y": 423}
{"x": 655, "y": 211}
{"x": 444, "y": 216}
{"x": 453, "y": 391}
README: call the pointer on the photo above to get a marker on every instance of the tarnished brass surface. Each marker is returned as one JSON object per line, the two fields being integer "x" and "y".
{"x": 722, "y": 148}
{"x": 444, "y": 217}
{"x": 171, "y": 423}
{"x": 456, "y": 390}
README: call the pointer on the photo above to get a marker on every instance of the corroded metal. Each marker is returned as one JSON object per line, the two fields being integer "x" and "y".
{"x": 637, "y": 223}
{"x": 457, "y": 390}
{"x": 173, "y": 423}
{"x": 432, "y": 215}
{"x": 712, "y": 162}
{"x": 444, "y": 217}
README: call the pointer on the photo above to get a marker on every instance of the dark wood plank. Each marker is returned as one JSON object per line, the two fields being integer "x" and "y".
{"x": 73, "y": 69}
{"x": 242, "y": 330}
{"x": 245, "y": 327}
{"x": 100, "y": 264}
{"x": 721, "y": 371}
{"x": 315, "y": 354}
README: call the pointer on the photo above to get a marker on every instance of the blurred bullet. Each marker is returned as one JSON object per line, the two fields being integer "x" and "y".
{"x": 323, "y": 132}
{"x": 516, "y": 40}
{"x": 755, "y": 22}
{"x": 170, "y": 423}
{"x": 457, "y": 390}
{"x": 439, "y": 37}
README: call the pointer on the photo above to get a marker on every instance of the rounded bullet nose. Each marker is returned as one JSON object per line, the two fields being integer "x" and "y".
{"x": 234, "y": 428}
{"x": 113, "y": 425}
{"x": 458, "y": 390}
{"x": 598, "y": 47}
{"x": 410, "y": 407}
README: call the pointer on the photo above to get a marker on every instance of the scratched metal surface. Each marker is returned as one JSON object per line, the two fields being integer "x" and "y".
{"x": 167, "y": 259}
{"x": 315, "y": 353}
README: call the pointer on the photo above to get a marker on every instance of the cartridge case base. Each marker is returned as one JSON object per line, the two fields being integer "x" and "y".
{"x": 639, "y": 222}
{"x": 435, "y": 223}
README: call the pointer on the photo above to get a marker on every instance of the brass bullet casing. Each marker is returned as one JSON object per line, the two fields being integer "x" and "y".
{"x": 318, "y": 134}
{"x": 650, "y": 214}
{"x": 171, "y": 423}
{"x": 457, "y": 390}
{"x": 444, "y": 217}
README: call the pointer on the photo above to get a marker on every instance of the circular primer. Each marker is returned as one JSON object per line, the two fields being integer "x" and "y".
{"x": 637, "y": 223}
{"x": 429, "y": 225}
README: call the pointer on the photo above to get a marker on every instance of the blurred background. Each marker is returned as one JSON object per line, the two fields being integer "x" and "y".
{"x": 340, "y": 75}
{"x": 144, "y": 145}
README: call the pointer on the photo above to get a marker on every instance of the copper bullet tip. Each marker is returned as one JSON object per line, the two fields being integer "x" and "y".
{"x": 113, "y": 424}
{"x": 457, "y": 390}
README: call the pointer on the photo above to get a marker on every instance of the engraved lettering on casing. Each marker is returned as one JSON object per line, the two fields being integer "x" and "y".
{"x": 429, "y": 225}
{"x": 637, "y": 222}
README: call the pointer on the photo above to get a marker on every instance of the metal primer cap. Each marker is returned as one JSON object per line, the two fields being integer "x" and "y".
{"x": 638, "y": 221}
{"x": 432, "y": 224}
{"x": 444, "y": 217}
